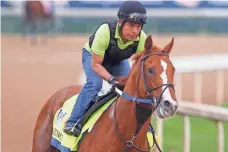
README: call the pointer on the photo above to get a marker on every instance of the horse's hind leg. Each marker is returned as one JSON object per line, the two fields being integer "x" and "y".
{"x": 43, "y": 132}
{"x": 24, "y": 28}
{"x": 43, "y": 128}
{"x": 33, "y": 31}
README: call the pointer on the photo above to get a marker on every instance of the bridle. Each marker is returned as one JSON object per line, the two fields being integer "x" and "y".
{"x": 130, "y": 143}
{"x": 147, "y": 89}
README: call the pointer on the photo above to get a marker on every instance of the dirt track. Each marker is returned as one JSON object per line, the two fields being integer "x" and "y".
{"x": 30, "y": 75}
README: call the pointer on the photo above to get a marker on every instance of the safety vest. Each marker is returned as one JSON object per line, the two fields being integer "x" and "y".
{"x": 113, "y": 54}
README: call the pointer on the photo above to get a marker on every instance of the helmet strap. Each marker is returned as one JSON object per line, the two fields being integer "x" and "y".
{"x": 121, "y": 26}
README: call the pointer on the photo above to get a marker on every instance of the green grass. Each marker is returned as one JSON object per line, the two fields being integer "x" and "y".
{"x": 203, "y": 135}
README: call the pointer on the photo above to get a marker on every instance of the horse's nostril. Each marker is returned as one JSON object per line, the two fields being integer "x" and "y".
{"x": 167, "y": 103}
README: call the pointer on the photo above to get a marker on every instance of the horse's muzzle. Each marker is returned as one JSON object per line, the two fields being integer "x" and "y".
{"x": 167, "y": 108}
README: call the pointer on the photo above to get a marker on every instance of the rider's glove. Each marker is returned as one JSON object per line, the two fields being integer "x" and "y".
{"x": 112, "y": 81}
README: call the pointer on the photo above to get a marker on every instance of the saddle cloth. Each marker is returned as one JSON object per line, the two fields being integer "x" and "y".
{"x": 68, "y": 143}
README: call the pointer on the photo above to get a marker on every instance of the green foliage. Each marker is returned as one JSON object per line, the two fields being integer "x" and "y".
{"x": 203, "y": 134}
{"x": 77, "y": 25}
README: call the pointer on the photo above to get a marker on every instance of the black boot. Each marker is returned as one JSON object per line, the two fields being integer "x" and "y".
{"x": 74, "y": 130}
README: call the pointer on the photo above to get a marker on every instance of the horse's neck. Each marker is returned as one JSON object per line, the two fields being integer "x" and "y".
{"x": 126, "y": 116}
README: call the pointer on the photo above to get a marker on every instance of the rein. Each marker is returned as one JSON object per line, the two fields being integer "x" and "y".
{"x": 152, "y": 100}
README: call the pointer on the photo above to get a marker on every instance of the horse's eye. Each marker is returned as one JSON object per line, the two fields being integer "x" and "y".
{"x": 151, "y": 71}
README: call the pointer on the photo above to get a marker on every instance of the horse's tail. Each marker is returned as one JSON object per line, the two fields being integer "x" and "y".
{"x": 43, "y": 128}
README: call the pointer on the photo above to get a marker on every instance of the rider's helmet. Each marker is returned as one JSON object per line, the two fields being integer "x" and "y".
{"x": 132, "y": 11}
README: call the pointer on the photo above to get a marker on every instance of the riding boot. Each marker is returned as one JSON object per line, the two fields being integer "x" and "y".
{"x": 74, "y": 129}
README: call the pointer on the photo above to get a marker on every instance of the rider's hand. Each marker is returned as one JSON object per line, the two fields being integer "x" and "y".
{"x": 122, "y": 80}
{"x": 112, "y": 81}
{"x": 118, "y": 84}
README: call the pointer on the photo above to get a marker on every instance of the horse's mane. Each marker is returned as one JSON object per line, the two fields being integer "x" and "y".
{"x": 154, "y": 48}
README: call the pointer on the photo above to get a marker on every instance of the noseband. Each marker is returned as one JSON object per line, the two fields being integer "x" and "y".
{"x": 151, "y": 100}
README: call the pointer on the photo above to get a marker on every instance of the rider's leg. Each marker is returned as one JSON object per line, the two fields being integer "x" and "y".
{"x": 89, "y": 91}
{"x": 121, "y": 69}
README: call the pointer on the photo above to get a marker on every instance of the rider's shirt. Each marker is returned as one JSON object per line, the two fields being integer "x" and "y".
{"x": 102, "y": 38}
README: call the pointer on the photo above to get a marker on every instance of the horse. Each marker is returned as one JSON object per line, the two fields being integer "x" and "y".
{"x": 36, "y": 16}
{"x": 123, "y": 126}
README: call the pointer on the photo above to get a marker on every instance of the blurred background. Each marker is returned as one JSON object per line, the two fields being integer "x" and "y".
{"x": 43, "y": 55}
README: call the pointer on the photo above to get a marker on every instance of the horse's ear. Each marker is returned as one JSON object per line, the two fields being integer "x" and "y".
{"x": 148, "y": 43}
{"x": 169, "y": 46}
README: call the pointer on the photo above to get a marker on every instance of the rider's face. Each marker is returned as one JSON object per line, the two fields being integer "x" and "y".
{"x": 130, "y": 30}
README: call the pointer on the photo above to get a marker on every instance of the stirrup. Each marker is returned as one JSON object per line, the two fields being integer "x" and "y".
{"x": 75, "y": 130}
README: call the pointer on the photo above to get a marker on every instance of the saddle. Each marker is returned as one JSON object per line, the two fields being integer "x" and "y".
{"x": 95, "y": 104}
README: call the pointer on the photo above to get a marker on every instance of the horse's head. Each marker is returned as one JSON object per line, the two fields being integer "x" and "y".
{"x": 153, "y": 74}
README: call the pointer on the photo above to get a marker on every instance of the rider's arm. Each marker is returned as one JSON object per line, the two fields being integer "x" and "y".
{"x": 100, "y": 44}
{"x": 98, "y": 68}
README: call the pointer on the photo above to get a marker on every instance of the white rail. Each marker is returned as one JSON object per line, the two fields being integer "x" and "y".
{"x": 111, "y": 12}
{"x": 196, "y": 65}
{"x": 213, "y": 113}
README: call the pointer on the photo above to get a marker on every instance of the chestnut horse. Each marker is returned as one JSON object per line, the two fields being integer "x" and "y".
{"x": 124, "y": 125}
{"x": 36, "y": 17}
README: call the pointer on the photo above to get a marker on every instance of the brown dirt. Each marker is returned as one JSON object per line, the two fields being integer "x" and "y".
{"x": 30, "y": 75}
